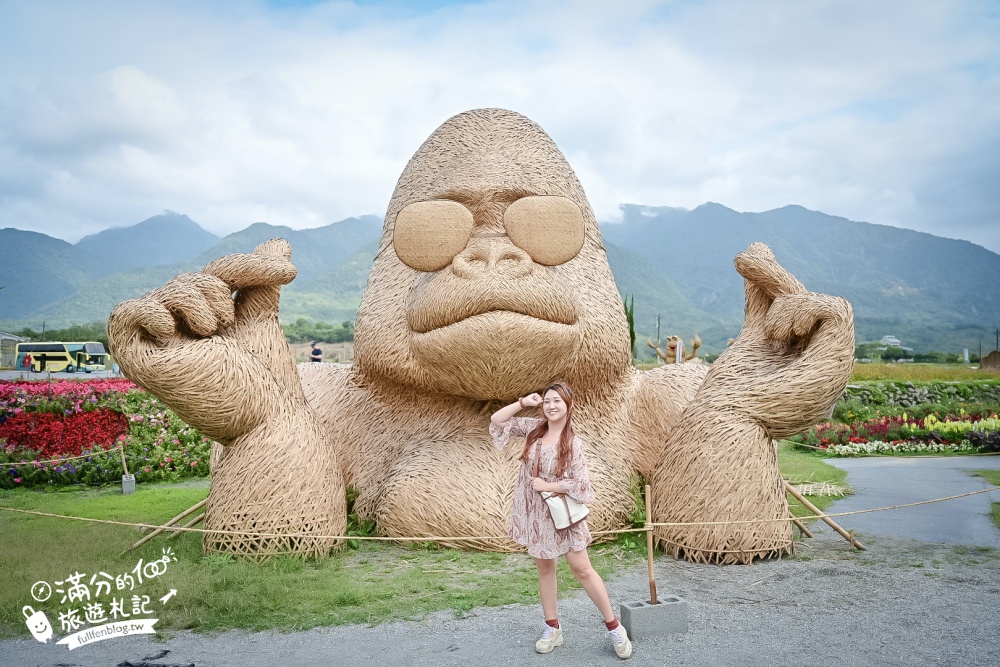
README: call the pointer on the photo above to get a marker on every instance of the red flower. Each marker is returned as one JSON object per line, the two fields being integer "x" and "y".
{"x": 63, "y": 435}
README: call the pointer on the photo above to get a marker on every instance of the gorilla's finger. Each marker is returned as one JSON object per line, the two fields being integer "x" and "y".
{"x": 217, "y": 296}
{"x": 186, "y": 302}
{"x": 244, "y": 270}
{"x": 796, "y": 315}
{"x": 275, "y": 248}
{"x": 131, "y": 320}
{"x": 758, "y": 265}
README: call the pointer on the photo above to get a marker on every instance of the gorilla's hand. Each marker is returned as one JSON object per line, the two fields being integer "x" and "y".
{"x": 793, "y": 357}
{"x": 221, "y": 363}
{"x": 790, "y": 362}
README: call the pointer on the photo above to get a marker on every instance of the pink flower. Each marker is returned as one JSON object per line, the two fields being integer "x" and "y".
{"x": 17, "y": 480}
{"x": 194, "y": 463}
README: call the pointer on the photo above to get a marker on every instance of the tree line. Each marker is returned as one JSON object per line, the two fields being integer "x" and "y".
{"x": 302, "y": 330}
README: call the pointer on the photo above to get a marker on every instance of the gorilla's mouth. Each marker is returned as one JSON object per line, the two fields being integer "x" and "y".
{"x": 431, "y": 309}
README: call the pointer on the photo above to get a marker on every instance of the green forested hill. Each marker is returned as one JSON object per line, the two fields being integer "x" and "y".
{"x": 314, "y": 251}
{"x": 36, "y": 269}
{"x": 926, "y": 290}
{"x": 164, "y": 239}
{"x": 930, "y": 292}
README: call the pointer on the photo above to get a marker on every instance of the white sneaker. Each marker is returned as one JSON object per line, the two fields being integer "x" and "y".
{"x": 620, "y": 640}
{"x": 551, "y": 638}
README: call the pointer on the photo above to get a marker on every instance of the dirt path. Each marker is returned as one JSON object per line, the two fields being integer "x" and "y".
{"x": 901, "y": 602}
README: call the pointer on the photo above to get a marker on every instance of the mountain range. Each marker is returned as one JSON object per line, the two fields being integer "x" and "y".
{"x": 928, "y": 291}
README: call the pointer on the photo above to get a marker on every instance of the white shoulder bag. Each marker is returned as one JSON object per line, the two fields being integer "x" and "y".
{"x": 565, "y": 511}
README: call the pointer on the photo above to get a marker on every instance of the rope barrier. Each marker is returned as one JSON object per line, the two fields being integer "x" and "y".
{"x": 831, "y": 515}
{"x": 59, "y": 460}
{"x": 454, "y": 538}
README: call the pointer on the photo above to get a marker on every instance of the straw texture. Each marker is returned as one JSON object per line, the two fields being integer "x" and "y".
{"x": 223, "y": 365}
{"x": 789, "y": 364}
{"x": 460, "y": 317}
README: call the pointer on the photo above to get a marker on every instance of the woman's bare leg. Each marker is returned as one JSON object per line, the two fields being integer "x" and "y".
{"x": 579, "y": 563}
{"x": 547, "y": 588}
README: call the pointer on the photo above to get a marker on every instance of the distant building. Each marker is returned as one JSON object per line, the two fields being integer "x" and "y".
{"x": 8, "y": 349}
{"x": 891, "y": 341}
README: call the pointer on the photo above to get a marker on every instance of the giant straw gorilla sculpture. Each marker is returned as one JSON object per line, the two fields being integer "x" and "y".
{"x": 490, "y": 282}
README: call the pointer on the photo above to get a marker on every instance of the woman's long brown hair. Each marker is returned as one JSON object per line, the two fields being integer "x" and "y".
{"x": 565, "y": 451}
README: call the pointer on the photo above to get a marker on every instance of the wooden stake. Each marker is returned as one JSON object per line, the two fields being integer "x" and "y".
{"x": 167, "y": 525}
{"x": 190, "y": 524}
{"x": 802, "y": 528}
{"x": 649, "y": 549}
{"x": 818, "y": 512}
{"x": 121, "y": 450}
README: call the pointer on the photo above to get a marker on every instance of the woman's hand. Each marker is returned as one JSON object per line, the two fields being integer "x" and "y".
{"x": 503, "y": 415}
{"x": 539, "y": 484}
{"x": 531, "y": 401}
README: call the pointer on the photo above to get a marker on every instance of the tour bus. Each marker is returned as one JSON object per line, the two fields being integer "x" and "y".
{"x": 61, "y": 357}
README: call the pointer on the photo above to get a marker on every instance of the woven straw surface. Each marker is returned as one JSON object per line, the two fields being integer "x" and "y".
{"x": 789, "y": 364}
{"x": 223, "y": 365}
{"x": 519, "y": 305}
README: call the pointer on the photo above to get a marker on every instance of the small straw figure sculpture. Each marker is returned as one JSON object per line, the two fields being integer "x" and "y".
{"x": 673, "y": 352}
{"x": 491, "y": 282}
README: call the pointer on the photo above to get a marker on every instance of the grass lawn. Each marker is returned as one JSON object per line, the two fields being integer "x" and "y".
{"x": 902, "y": 372}
{"x": 920, "y": 372}
{"x": 370, "y": 584}
{"x": 800, "y": 467}
{"x": 993, "y": 477}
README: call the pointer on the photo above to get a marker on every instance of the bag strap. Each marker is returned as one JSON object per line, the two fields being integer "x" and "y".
{"x": 538, "y": 457}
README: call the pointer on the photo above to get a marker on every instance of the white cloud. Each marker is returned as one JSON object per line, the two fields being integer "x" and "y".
{"x": 236, "y": 112}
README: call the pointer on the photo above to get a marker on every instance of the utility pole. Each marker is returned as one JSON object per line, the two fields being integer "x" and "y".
{"x": 657, "y": 328}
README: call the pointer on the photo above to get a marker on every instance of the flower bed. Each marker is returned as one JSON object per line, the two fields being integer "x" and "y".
{"x": 51, "y": 435}
{"x": 882, "y": 448}
{"x": 904, "y": 434}
{"x": 68, "y": 432}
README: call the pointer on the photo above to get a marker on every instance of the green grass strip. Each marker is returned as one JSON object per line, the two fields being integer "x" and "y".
{"x": 993, "y": 477}
{"x": 373, "y": 583}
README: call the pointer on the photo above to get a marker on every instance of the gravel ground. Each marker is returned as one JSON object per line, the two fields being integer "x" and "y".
{"x": 901, "y": 602}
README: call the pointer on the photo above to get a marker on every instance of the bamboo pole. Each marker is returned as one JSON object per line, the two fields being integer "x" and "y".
{"x": 190, "y": 524}
{"x": 167, "y": 525}
{"x": 802, "y": 528}
{"x": 818, "y": 512}
{"x": 649, "y": 549}
{"x": 121, "y": 450}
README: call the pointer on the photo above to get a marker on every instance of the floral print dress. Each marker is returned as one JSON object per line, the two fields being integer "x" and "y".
{"x": 530, "y": 522}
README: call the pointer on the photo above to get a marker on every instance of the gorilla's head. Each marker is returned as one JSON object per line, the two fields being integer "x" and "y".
{"x": 491, "y": 280}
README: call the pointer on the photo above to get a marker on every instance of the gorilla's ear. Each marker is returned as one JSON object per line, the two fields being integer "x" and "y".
{"x": 551, "y": 229}
{"x": 428, "y": 234}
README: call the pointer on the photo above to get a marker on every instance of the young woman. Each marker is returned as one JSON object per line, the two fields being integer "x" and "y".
{"x": 562, "y": 468}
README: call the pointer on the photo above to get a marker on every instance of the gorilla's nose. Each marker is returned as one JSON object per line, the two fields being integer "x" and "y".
{"x": 486, "y": 258}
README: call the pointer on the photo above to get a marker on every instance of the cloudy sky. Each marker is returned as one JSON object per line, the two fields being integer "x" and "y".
{"x": 303, "y": 113}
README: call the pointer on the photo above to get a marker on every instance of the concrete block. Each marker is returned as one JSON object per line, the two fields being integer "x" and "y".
{"x": 128, "y": 484}
{"x": 642, "y": 620}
